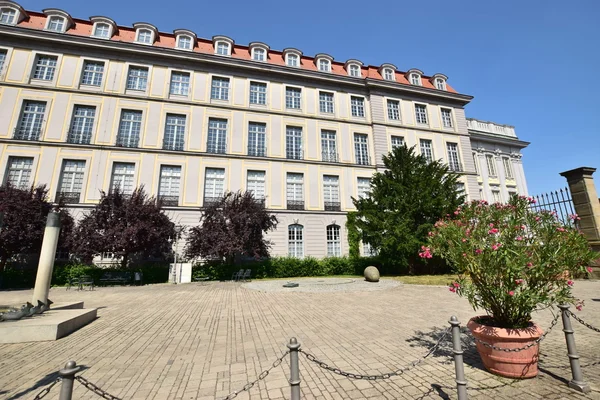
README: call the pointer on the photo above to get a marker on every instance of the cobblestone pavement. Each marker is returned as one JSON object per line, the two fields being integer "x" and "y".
{"x": 204, "y": 340}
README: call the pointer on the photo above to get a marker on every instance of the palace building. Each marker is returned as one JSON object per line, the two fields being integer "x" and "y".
{"x": 87, "y": 104}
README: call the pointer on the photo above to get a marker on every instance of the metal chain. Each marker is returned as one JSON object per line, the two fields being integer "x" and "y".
{"x": 262, "y": 376}
{"x": 387, "y": 375}
{"x": 582, "y": 322}
{"x": 46, "y": 390}
{"x": 93, "y": 388}
{"x": 516, "y": 350}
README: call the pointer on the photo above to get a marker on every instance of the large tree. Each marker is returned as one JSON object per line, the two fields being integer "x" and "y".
{"x": 25, "y": 212}
{"x": 234, "y": 225}
{"x": 404, "y": 202}
{"x": 124, "y": 225}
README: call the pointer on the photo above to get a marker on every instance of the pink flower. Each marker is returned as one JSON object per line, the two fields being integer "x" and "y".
{"x": 570, "y": 283}
{"x": 430, "y": 234}
{"x": 579, "y": 307}
{"x": 456, "y": 212}
{"x": 511, "y": 293}
{"x": 523, "y": 227}
{"x": 589, "y": 269}
{"x": 519, "y": 238}
{"x": 496, "y": 246}
{"x": 529, "y": 264}
{"x": 574, "y": 217}
{"x": 426, "y": 253}
{"x": 464, "y": 240}
{"x": 468, "y": 232}
{"x": 560, "y": 229}
{"x": 478, "y": 251}
{"x": 519, "y": 281}
{"x": 491, "y": 225}
{"x": 537, "y": 219}
{"x": 464, "y": 254}
{"x": 493, "y": 231}
{"x": 452, "y": 289}
{"x": 456, "y": 284}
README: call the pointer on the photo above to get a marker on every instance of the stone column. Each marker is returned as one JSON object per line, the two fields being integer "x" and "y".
{"x": 47, "y": 256}
{"x": 585, "y": 201}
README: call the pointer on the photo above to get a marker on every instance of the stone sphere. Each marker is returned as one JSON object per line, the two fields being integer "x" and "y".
{"x": 371, "y": 274}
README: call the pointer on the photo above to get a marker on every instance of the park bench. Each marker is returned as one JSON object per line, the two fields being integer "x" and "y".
{"x": 116, "y": 278}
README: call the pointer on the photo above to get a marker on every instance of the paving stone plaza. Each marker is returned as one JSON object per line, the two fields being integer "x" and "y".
{"x": 205, "y": 340}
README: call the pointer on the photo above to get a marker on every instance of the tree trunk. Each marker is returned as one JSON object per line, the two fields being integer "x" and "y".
{"x": 124, "y": 261}
{"x": 3, "y": 261}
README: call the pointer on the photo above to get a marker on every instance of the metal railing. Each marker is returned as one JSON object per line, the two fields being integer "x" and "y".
{"x": 558, "y": 202}
{"x": 295, "y": 204}
{"x": 216, "y": 149}
{"x": 210, "y": 200}
{"x": 257, "y": 151}
{"x": 329, "y": 156}
{"x": 68, "y": 197}
{"x": 333, "y": 206}
{"x": 294, "y": 154}
{"x": 76, "y": 137}
{"x": 363, "y": 160}
{"x": 455, "y": 166}
{"x": 169, "y": 201}
{"x": 27, "y": 134}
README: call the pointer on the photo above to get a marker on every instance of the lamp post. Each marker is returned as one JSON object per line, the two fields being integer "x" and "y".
{"x": 174, "y": 242}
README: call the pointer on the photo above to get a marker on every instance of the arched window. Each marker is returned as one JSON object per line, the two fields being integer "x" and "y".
{"x": 292, "y": 60}
{"x": 102, "y": 30}
{"x": 8, "y": 16}
{"x": 324, "y": 65}
{"x": 354, "y": 70}
{"x": 56, "y": 24}
{"x": 334, "y": 243}
{"x": 184, "y": 42}
{"x": 223, "y": 48}
{"x": 259, "y": 54}
{"x": 440, "y": 84}
{"x": 144, "y": 36}
{"x": 415, "y": 79}
{"x": 295, "y": 241}
{"x": 388, "y": 74}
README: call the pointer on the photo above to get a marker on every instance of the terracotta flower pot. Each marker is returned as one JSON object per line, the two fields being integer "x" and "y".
{"x": 521, "y": 364}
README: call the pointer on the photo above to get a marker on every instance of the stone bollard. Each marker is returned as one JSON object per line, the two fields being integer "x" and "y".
{"x": 461, "y": 382}
{"x": 577, "y": 382}
{"x": 294, "y": 346}
{"x": 68, "y": 378}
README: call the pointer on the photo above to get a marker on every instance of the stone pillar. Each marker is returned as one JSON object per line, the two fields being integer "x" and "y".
{"x": 47, "y": 256}
{"x": 585, "y": 201}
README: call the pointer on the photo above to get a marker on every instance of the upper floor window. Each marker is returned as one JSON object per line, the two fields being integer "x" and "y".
{"x": 145, "y": 36}
{"x": 217, "y": 136}
{"x": 180, "y": 83}
{"x": 130, "y": 127}
{"x": 415, "y": 79}
{"x": 354, "y": 70}
{"x": 476, "y": 163}
{"x": 2, "y": 60}
{"x": 71, "y": 181}
{"x": 255, "y": 184}
{"x": 102, "y": 30}
{"x": 397, "y": 141}
{"x": 388, "y": 74}
{"x": 426, "y": 149}
{"x": 421, "y": 113}
{"x": 92, "y": 73}
{"x": 259, "y": 54}
{"x": 82, "y": 124}
{"x": 326, "y": 102}
{"x": 440, "y": 84}
{"x": 357, "y": 106}
{"x": 258, "y": 93}
{"x": 393, "y": 109}
{"x": 257, "y": 146}
{"x": 447, "y": 117}
{"x": 137, "y": 79}
{"x": 31, "y": 121}
{"x": 334, "y": 244}
{"x": 363, "y": 187}
{"x": 491, "y": 165}
{"x": 8, "y": 16}
{"x": 453, "y": 157}
{"x": 56, "y": 24}
{"x": 123, "y": 175}
{"x": 292, "y": 60}
{"x": 18, "y": 172}
{"x": 219, "y": 88}
{"x": 45, "y": 66}
{"x": 328, "y": 146}
{"x": 174, "y": 132}
{"x": 214, "y": 185}
{"x": 185, "y": 42}
{"x": 294, "y": 191}
{"x": 361, "y": 149}
{"x": 293, "y": 143}
{"x": 223, "y": 48}
{"x": 168, "y": 184}
{"x": 324, "y": 65}
{"x": 508, "y": 171}
{"x": 331, "y": 192}
{"x": 293, "y": 97}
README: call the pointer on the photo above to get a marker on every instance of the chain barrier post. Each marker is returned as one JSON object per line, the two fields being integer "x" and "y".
{"x": 68, "y": 378}
{"x": 461, "y": 382}
{"x": 294, "y": 346}
{"x": 577, "y": 382}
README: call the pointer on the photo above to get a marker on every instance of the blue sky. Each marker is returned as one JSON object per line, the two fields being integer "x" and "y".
{"x": 533, "y": 64}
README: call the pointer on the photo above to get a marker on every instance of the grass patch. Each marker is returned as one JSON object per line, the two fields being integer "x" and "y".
{"x": 439, "y": 280}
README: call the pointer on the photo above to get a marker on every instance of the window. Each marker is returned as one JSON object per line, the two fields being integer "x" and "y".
{"x": 255, "y": 184}
{"x": 56, "y": 24}
{"x": 293, "y": 97}
{"x": 257, "y": 139}
{"x": 2, "y": 59}
{"x": 476, "y": 163}
{"x": 292, "y": 60}
{"x": 214, "y": 185}
{"x": 393, "y": 109}
{"x": 324, "y": 65}
{"x": 122, "y": 177}
{"x": 357, "y": 106}
{"x": 82, "y": 125}
{"x": 44, "y": 67}
{"x": 363, "y": 186}
{"x": 368, "y": 250}
{"x": 92, "y": 73}
{"x": 397, "y": 141}
{"x": 354, "y": 70}
{"x": 295, "y": 241}
{"x": 328, "y": 146}
{"x": 217, "y": 136}
{"x": 361, "y": 149}
{"x": 331, "y": 193}
{"x": 295, "y": 191}
{"x": 415, "y": 79}
{"x": 259, "y": 54}
{"x": 71, "y": 181}
{"x": 334, "y": 244}
{"x": 32, "y": 118}
{"x": 129, "y": 128}
{"x": 512, "y": 193}
{"x": 491, "y": 165}
{"x": 460, "y": 188}
{"x": 426, "y": 149}
{"x": 184, "y": 42}
{"x": 326, "y": 102}
{"x": 453, "y": 157}
{"x": 102, "y": 30}
{"x": 293, "y": 143}
{"x": 174, "y": 132}
{"x": 388, "y": 74}
{"x": 168, "y": 185}
{"x": 447, "y": 117}
{"x": 421, "y": 113}
{"x": 18, "y": 171}
{"x": 496, "y": 196}
{"x": 144, "y": 36}
{"x": 508, "y": 172}
{"x": 137, "y": 78}
{"x": 219, "y": 88}
{"x": 180, "y": 83}
{"x": 8, "y": 16}
{"x": 440, "y": 84}
{"x": 223, "y": 48}
{"x": 258, "y": 93}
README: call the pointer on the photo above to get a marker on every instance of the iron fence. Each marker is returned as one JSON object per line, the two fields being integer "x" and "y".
{"x": 559, "y": 202}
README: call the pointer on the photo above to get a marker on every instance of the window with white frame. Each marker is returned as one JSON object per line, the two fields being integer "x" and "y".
{"x": 496, "y": 197}
{"x": 293, "y": 98}
{"x": 258, "y": 93}
{"x": 56, "y": 24}
{"x": 363, "y": 187}
{"x": 354, "y": 70}
{"x": 453, "y": 157}
{"x": 295, "y": 241}
{"x": 255, "y": 184}
{"x": 223, "y": 48}
{"x": 476, "y": 163}
{"x": 331, "y": 192}
{"x": 415, "y": 79}
{"x": 368, "y": 250}
{"x": 393, "y": 110}
{"x": 144, "y": 36}
{"x": 257, "y": 133}
{"x": 512, "y": 193}
{"x": 70, "y": 184}
{"x": 292, "y": 60}
{"x": 259, "y": 54}
{"x": 31, "y": 121}
{"x": 217, "y": 136}
{"x": 93, "y": 72}
{"x": 18, "y": 172}
{"x": 324, "y": 65}
{"x": 8, "y": 16}
{"x": 174, "y": 138}
{"x": 361, "y": 149}
{"x": 397, "y": 141}
{"x": 357, "y": 106}
{"x": 82, "y": 124}
{"x": 45, "y": 66}
{"x": 168, "y": 184}
{"x": 460, "y": 188}
{"x": 440, "y": 84}
{"x": 326, "y": 102}
{"x": 137, "y": 78}
{"x": 214, "y": 184}
{"x": 421, "y": 113}
{"x": 130, "y": 127}
{"x": 426, "y": 149}
{"x": 102, "y": 30}
{"x": 447, "y": 117}
{"x": 293, "y": 143}
{"x": 2, "y": 59}
{"x": 185, "y": 42}
{"x": 295, "y": 191}
{"x": 219, "y": 88}
{"x": 388, "y": 74}
{"x": 508, "y": 171}
{"x": 491, "y": 165}
{"x": 123, "y": 175}
{"x": 180, "y": 83}
{"x": 328, "y": 146}
{"x": 334, "y": 243}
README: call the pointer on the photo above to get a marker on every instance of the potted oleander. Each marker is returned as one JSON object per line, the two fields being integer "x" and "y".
{"x": 510, "y": 261}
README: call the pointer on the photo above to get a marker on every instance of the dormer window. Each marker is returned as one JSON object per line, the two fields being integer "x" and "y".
{"x": 144, "y": 36}
{"x": 102, "y": 30}
{"x": 223, "y": 45}
{"x": 415, "y": 79}
{"x": 56, "y": 24}
{"x": 57, "y": 20}
{"x": 103, "y": 27}
{"x": 184, "y": 39}
{"x": 184, "y": 42}
{"x": 323, "y": 62}
{"x": 388, "y": 74}
{"x": 8, "y": 16}
{"x": 223, "y": 48}
{"x": 292, "y": 60}
{"x": 259, "y": 51}
{"x": 145, "y": 33}
{"x": 354, "y": 70}
{"x": 440, "y": 84}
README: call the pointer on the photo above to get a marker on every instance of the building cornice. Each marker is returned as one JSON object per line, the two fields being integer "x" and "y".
{"x": 463, "y": 99}
{"x": 491, "y": 138}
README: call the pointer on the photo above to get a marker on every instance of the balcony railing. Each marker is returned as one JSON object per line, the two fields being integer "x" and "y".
{"x": 27, "y": 134}
{"x": 169, "y": 201}
{"x": 257, "y": 151}
{"x": 294, "y": 154}
{"x": 295, "y": 204}
{"x": 261, "y": 202}
{"x": 68, "y": 197}
{"x": 363, "y": 160}
{"x": 78, "y": 137}
{"x": 127, "y": 142}
{"x": 215, "y": 148}
{"x": 173, "y": 146}
{"x": 333, "y": 206}
{"x": 210, "y": 200}
{"x": 329, "y": 156}
{"x": 455, "y": 166}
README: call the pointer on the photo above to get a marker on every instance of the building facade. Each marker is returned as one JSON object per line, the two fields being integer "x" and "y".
{"x": 86, "y": 105}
